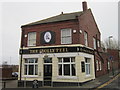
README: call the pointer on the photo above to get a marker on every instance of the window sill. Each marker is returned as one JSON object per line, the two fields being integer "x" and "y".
{"x": 66, "y": 43}
{"x": 32, "y": 76}
{"x": 88, "y": 75}
{"x": 31, "y": 45}
{"x": 67, "y": 77}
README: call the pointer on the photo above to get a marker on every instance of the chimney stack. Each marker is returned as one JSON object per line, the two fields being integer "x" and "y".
{"x": 84, "y": 4}
{"x": 61, "y": 12}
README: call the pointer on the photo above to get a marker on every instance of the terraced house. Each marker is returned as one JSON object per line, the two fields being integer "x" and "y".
{"x": 62, "y": 50}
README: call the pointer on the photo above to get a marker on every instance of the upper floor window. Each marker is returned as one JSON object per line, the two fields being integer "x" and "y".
{"x": 108, "y": 65}
{"x": 97, "y": 66}
{"x": 86, "y": 38}
{"x": 100, "y": 65}
{"x": 98, "y": 43}
{"x": 66, "y": 36}
{"x": 94, "y": 43}
{"x": 31, "y": 38}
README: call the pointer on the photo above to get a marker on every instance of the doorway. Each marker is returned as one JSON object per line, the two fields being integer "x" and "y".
{"x": 47, "y": 72}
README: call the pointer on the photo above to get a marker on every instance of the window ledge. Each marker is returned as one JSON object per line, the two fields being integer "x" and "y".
{"x": 27, "y": 76}
{"x": 67, "y": 77}
{"x": 88, "y": 76}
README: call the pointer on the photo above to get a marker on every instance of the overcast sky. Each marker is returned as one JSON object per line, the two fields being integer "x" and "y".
{"x": 15, "y": 14}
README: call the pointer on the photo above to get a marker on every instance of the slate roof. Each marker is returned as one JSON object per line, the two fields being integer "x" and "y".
{"x": 61, "y": 17}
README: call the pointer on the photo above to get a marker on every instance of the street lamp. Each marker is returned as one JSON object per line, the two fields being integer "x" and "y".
{"x": 109, "y": 41}
{"x": 111, "y": 58}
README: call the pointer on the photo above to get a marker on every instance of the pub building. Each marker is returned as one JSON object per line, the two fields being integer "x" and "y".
{"x": 60, "y": 50}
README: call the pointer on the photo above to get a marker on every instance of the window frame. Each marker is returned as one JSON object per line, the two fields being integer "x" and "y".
{"x": 89, "y": 64}
{"x": 97, "y": 65}
{"x": 28, "y": 39}
{"x": 66, "y": 63}
{"x": 85, "y": 38}
{"x": 98, "y": 43}
{"x": 26, "y": 73}
{"x": 94, "y": 43}
{"x": 100, "y": 64}
{"x": 108, "y": 63}
{"x": 70, "y": 36}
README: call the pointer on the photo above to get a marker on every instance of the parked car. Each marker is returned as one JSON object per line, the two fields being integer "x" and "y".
{"x": 15, "y": 74}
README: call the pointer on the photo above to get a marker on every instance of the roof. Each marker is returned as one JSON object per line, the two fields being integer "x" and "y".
{"x": 57, "y": 18}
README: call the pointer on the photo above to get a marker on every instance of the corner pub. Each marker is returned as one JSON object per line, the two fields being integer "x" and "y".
{"x": 59, "y": 51}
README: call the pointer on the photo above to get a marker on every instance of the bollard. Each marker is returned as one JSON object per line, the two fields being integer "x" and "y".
{"x": 35, "y": 84}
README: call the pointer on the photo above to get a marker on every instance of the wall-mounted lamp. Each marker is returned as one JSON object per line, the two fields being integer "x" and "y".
{"x": 25, "y": 35}
{"x": 80, "y": 31}
{"x": 74, "y": 31}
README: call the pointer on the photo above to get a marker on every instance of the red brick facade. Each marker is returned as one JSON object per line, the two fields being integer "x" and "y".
{"x": 56, "y": 27}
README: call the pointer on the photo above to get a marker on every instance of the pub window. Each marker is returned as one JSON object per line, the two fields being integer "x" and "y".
{"x": 94, "y": 43}
{"x": 83, "y": 66}
{"x": 66, "y": 66}
{"x": 66, "y": 36}
{"x": 108, "y": 65}
{"x": 98, "y": 43}
{"x": 31, "y": 38}
{"x": 87, "y": 66}
{"x": 31, "y": 66}
{"x": 100, "y": 65}
{"x": 47, "y": 60}
{"x": 97, "y": 66}
{"x": 86, "y": 38}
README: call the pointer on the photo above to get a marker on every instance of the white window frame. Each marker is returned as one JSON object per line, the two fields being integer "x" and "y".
{"x": 98, "y": 43}
{"x": 97, "y": 66}
{"x": 35, "y": 64}
{"x": 100, "y": 65}
{"x": 94, "y": 43}
{"x": 86, "y": 38}
{"x": 28, "y": 42}
{"x": 108, "y": 63}
{"x": 64, "y": 63}
{"x": 89, "y": 64}
{"x": 70, "y": 36}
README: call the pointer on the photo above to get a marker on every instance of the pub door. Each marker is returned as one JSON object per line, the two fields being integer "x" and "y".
{"x": 47, "y": 74}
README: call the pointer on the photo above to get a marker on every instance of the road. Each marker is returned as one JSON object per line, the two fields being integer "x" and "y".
{"x": 113, "y": 84}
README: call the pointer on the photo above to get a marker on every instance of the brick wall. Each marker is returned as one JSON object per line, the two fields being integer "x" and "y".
{"x": 56, "y": 27}
{"x": 88, "y": 24}
{"x": 115, "y": 57}
{"x": 6, "y": 73}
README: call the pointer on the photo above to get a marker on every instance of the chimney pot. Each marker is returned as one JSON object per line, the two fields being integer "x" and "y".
{"x": 61, "y": 12}
{"x": 84, "y": 4}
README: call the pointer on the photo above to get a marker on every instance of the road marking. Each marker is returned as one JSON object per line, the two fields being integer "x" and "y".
{"x": 105, "y": 84}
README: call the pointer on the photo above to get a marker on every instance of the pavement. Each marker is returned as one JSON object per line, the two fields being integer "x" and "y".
{"x": 96, "y": 84}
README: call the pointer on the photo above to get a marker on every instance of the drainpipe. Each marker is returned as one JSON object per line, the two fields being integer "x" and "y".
{"x": 21, "y": 53}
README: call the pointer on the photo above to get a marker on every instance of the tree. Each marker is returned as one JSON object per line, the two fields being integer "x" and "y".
{"x": 110, "y": 43}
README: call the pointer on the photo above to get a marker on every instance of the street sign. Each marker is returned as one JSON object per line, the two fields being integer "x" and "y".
{"x": 111, "y": 58}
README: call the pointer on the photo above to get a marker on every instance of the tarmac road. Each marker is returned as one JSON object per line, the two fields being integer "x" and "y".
{"x": 113, "y": 84}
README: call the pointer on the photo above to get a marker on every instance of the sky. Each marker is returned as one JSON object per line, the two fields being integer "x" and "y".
{"x": 13, "y": 14}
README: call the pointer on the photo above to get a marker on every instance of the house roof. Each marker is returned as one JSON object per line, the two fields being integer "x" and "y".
{"x": 61, "y": 17}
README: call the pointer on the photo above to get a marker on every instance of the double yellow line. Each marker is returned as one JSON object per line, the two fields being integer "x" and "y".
{"x": 105, "y": 84}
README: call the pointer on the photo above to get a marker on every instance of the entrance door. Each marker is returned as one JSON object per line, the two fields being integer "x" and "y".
{"x": 47, "y": 74}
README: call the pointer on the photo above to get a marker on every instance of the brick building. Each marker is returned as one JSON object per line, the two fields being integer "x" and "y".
{"x": 63, "y": 50}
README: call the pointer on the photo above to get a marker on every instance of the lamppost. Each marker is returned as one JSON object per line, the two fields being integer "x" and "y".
{"x": 111, "y": 58}
{"x": 110, "y": 41}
